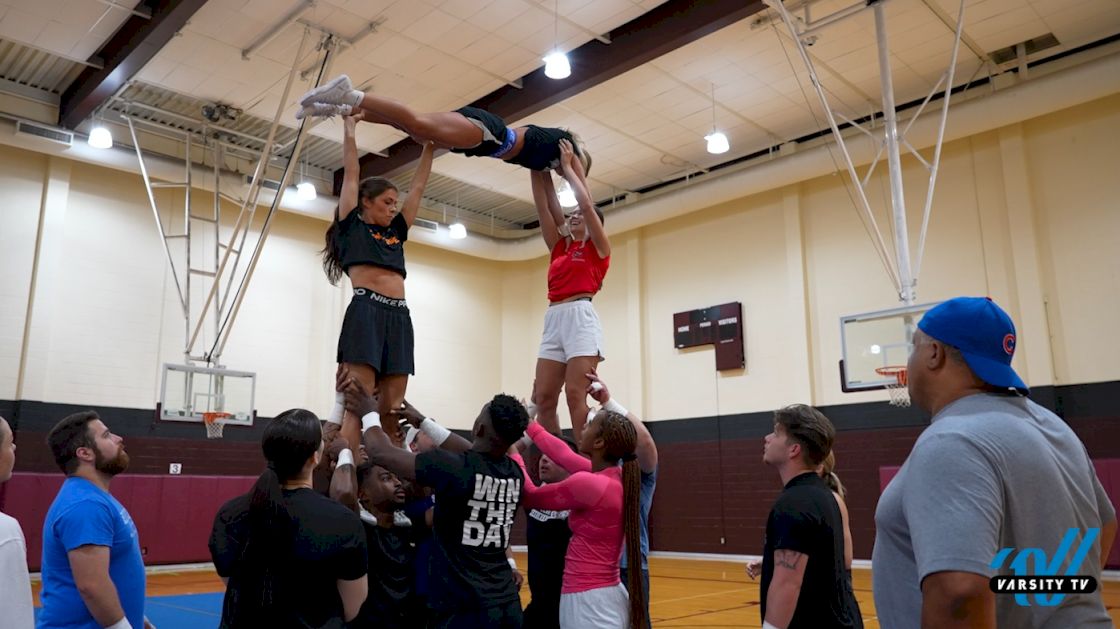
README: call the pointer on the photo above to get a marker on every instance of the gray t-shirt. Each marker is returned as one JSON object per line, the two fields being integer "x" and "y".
{"x": 991, "y": 472}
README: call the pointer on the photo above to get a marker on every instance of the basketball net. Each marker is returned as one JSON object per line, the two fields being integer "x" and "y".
{"x": 900, "y": 394}
{"x": 214, "y": 424}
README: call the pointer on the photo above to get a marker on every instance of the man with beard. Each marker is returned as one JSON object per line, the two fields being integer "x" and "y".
{"x": 93, "y": 573}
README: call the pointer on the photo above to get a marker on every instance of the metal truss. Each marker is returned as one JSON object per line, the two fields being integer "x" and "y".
{"x": 902, "y": 273}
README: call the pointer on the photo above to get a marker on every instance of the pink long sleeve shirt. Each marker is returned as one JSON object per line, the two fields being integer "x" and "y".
{"x": 595, "y": 502}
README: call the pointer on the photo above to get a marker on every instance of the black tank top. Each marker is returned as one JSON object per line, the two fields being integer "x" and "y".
{"x": 364, "y": 243}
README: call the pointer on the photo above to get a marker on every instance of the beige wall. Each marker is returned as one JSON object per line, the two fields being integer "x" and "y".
{"x": 1027, "y": 214}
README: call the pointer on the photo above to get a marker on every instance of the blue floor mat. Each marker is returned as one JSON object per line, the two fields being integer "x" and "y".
{"x": 190, "y": 611}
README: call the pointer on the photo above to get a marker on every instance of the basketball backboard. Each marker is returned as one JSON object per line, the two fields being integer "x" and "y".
{"x": 189, "y": 391}
{"x": 874, "y": 340}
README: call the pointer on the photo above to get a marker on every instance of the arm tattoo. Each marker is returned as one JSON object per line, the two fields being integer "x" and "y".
{"x": 787, "y": 558}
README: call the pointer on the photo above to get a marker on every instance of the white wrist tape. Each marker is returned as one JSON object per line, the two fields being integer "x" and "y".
{"x": 121, "y": 624}
{"x": 766, "y": 625}
{"x": 371, "y": 419}
{"x": 613, "y": 406}
{"x": 512, "y": 563}
{"x": 346, "y": 457}
{"x": 339, "y": 408}
{"x": 524, "y": 442}
{"x": 438, "y": 433}
{"x": 531, "y": 409}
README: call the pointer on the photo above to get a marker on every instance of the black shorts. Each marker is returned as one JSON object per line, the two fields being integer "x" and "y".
{"x": 492, "y": 123}
{"x": 377, "y": 331}
{"x": 498, "y": 617}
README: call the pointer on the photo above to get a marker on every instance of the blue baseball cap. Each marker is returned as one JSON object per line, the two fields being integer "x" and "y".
{"x": 983, "y": 333}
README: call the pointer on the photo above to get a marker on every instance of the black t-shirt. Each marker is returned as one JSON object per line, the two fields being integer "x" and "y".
{"x": 477, "y": 497}
{"x": 806, "y": 519}
{"x": 329, "y": 544}
{"x": 548, "y": 535}
{"x": 367, "y": 243}
{"x": 541, "y": 148}
{"x": 392, "y": 601}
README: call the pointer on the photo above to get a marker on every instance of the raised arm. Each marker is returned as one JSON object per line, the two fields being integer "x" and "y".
{"x": 351, "y": 170}
{"x": 548, "y": 208}
{"x": 555, "y": 448}
{"x": 573, "y": 172}
{"x": 578, "y": 491}
{"x": 419, "y": 181}
{"x": 647, "y": 449}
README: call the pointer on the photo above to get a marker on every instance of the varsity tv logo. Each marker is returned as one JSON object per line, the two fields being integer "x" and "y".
{"x": 1049, "y": 588}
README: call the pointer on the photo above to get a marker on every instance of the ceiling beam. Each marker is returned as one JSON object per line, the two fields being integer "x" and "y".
{"x": 137, "y": 41}
{"x": 645, "y": 38}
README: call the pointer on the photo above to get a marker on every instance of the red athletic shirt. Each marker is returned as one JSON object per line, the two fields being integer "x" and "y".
{"x": 575, "y": 268}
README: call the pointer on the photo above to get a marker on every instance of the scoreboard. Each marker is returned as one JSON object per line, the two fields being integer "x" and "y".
{"x": 720, "y": 325}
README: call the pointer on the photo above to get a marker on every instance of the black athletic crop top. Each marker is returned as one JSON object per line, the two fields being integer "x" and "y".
{"x": 364, "y": 243}
{"x": 541, "y": 148}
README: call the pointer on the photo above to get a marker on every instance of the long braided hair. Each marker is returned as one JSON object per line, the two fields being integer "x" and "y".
{"x": 621, "y": 441}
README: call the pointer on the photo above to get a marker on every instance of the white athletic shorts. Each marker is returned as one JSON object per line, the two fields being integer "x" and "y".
{"x": 571, "y": 329}
{"x": 601, "y": 608}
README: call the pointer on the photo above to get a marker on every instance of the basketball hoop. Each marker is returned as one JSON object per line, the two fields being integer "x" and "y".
{"x": 214, "y": 424}
{"x": 900, "y": 394}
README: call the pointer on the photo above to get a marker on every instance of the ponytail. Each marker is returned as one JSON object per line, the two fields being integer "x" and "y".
{"x": 833, "y": 482}
{"x": 621, "y": 440}
{"x": 332, "y": 252}
{"x": 289, "y": 441}
{"x": 269, "y": 542}
{"x": 631, "y": 524}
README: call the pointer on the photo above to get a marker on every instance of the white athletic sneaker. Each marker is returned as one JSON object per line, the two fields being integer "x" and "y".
{"x": 337, "y": 91}
{"x": 323, "y": 110}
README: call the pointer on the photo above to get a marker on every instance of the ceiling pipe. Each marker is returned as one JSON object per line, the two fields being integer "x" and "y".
{"x": 1042, "y": 94}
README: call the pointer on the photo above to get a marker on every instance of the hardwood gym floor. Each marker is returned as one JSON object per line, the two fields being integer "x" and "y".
{"x": 685, "y": 592}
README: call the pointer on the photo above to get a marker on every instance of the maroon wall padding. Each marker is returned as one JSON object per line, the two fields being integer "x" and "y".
{"x": 707, "y": 490}
{"x": 153, "y": 455}
{"x": 1108, "y": 470}
{"x": 173, "y": 514}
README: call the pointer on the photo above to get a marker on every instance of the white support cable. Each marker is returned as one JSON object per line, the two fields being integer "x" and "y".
{"x": 249, "y": 206}
{"x": 940, "y": 140}
{"x": 915, "y": 153}
{"x": 231, "y": 316}
{"x": 155, "y": 212}
{"x": 922, "y": 107}
{"x": 865, "y": 206}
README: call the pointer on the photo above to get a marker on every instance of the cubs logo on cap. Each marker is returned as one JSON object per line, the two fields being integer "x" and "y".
{"x": 1009, "y": 344}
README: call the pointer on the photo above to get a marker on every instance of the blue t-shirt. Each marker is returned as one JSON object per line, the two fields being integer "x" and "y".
{"x": 82, "y": 514}
{"x": 645, "y": 501}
